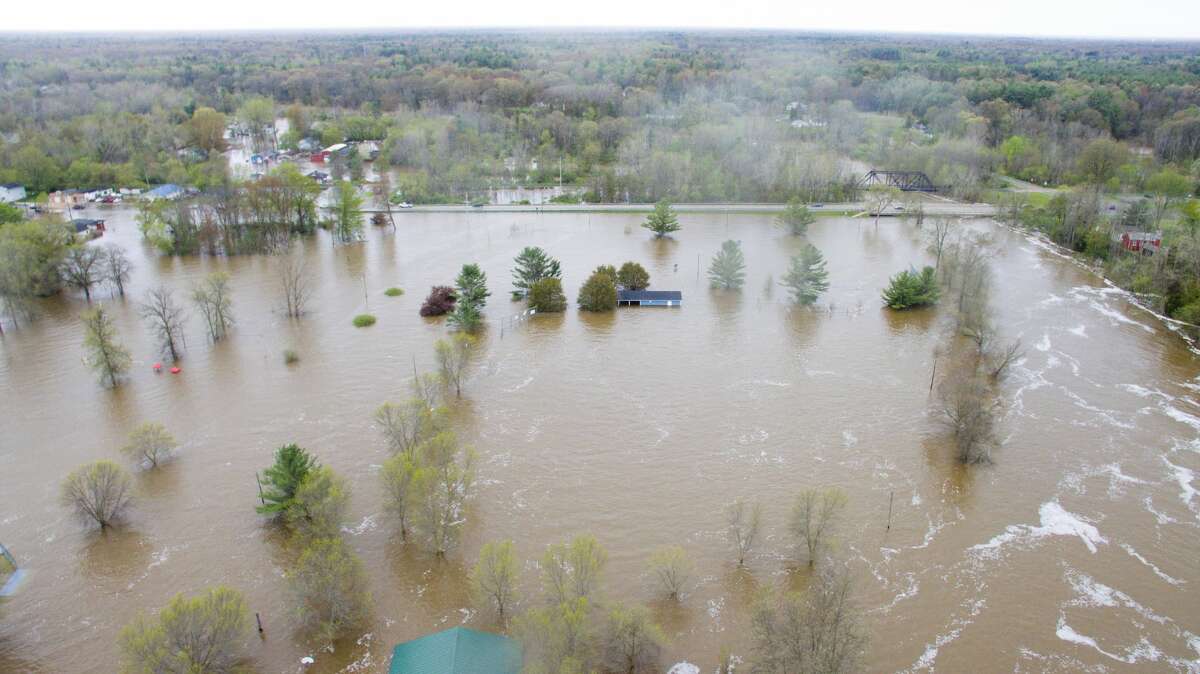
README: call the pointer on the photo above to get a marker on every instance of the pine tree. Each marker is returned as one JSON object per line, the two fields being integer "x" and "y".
{"x": 662, "y": 221}
{"x": 728, "y": 268}
{"x": 282, "y": 480}
{"x": 533, "y": 265}
{"x": 807, "y": 277}
{"x": 796, "y": 218}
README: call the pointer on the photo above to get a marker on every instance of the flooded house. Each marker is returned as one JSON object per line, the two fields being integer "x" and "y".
{"x": 649, "y": 298}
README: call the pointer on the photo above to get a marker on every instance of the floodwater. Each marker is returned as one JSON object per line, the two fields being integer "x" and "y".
{"x": 1077, "y": 549}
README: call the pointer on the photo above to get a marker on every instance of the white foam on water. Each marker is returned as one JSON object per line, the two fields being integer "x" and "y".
{"x": 1044, "y": 343}
{"x": 1182, "y": 417}
{"x": 1134, "y": 553}
{"x": 1078, "y": 331}
{"x": 1055, "y": 521}
{"x": 518, "y": 387}
{"x": 849, "y": 439}
{"x": 925, "y": 662}
{"x": 683, "y": 668}
{"x": 1143, "y": 650}
{"x": 1184, "y": 476}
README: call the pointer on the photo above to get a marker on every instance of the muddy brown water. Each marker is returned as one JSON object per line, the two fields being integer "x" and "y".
{"x": 1077, "y": 548}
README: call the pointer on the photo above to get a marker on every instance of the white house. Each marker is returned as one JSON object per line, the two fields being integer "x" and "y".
{"x": 10, "y": 192}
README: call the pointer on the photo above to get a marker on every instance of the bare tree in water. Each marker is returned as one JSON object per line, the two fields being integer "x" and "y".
{"x": 166, "y": 319}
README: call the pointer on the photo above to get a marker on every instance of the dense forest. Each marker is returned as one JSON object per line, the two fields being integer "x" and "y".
{"x": 632, "y": 116}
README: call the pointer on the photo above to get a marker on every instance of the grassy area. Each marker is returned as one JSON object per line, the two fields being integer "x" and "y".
{"x": 364, "y": 320}
{"x": 394, "y": 292}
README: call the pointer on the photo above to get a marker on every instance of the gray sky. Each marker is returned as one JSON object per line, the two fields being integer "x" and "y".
{"x": 1165, "y": 19}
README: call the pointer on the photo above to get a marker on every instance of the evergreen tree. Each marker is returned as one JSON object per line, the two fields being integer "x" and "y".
{"x": 910, "y": 288}
{"x": 807, "y": 277}
{"x": 728, "y": 268}
{"x": 472, "y": 286}
{"x": 796, "y": 218}
{"x": 282, "y": 480}
{"x": 533, "y": 265}
{"x": 662, "y": 221}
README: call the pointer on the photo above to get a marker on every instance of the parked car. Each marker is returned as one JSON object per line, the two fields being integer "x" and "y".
{"x": 404, "y": 204}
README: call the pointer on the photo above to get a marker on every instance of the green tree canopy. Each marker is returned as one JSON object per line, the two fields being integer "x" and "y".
{"x": 796, "y": 218}
{"x": 532, "y": 265}
{"x": 599, "y": 293}
{"x": 728, "y": 268}
{"x": 807, "y": 277}
{"x": 633, "y": 276}
{"x": 283, "y": 479}
{"x": 910, "y": 289}
{"x": 662, "y": 221}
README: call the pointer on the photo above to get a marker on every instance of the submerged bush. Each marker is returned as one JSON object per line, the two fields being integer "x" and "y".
{"x": 912, "y": 289}
{"x": 394, "y": 292}
{"x": 364, "y": 320}
{"x": 290, "y": 357}
{"x": 599, "y": 292}
{"x": 440, "y": 301}
{"x": 546, "y": 296}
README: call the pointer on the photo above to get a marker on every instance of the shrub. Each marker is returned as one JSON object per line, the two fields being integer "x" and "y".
{"x": 440, "y": 301}
{"x": 599, "y": 293}
{"x": 394, "y": 292}
{"x": 546, "y": 296}
{"x": 330, "y": 587}
{"x": 149, "y": 443}
{"x": 97, "y": 492}
{"x": 912, "y": 289}
{"x": 290, "y": 357}
{"x": 364, "y": 320}
{"x": 201, "y": 634}
{"x": 633, "y": 276}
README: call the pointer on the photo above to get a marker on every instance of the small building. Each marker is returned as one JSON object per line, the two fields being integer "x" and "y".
{"x": 649, "y": 298}
{"x": 321, "y": 177}
{"x": 88, "y": 227}
{"x": 167, "y": 191}
{"x": 308, "y": 145}
{"x": 1146, "y": 243}
{"x": 67, "y": 198}
{"x": 10, "y": 192}
{"x": 458, "y": 650}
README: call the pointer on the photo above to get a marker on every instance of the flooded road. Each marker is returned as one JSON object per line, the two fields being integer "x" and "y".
{"x": 1078, "y": 548}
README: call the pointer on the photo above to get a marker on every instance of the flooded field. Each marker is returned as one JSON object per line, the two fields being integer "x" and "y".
{"x": 1077, "y": 549}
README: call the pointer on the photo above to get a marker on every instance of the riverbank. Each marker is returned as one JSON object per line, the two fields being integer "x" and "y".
{"x": 827, "y": 210}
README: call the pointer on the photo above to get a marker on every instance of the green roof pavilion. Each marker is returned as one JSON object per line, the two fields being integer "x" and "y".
{"x": 457, "y": 651}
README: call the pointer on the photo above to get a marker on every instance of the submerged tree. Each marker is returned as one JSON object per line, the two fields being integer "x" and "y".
{"x": 453, "y": 358}
{"x": 98, "y": 492}
{"x": 557, "y": 638}
{"x": 83, "y": 268}
{"x": 744, "y": 522}
{"x": 494, "y": 578}
{"x": 408, "y": 424}
{"x": 598, "y": 293}
{"x": 347, "y": 213}
{"x": 817, "y": 631}
{"x": 814, "y": 517}
{"x": 571, "y": 571}
{"x": 283, "y": 479}
{"x": 166, "y": 319}
{"x": 472, "y": 294}
{"x": 632, "y": 643}
{"x": 294, "y": 285}
{"x": 201, "y": 634}
{"x": 728, "y": 268}
{"x": 807, "y": 277}
{"x": 970, "y": 413}
{"x": 330, "y": 587}
{"x": 149, "y": 443}
{"x": 796, "y": 218}
{"x": 318, "y": 509}
{"x": 633, "y": 276}
{"x": 108, "y": 358}
{"x": 662, "y": 221}
{"x": 440, "y": 485}
{"x": 546, "y": 296}
{"x": 532, "y": 265}
{"x": 399, "y": 474}
{"x": 879, "y": 198}
{"x": 910, "y": 289}
{"x": 441, "y": 300}
{"x": 672, "y": 570}
{"x": 212, "y": 298}
{"x": 117, "y": 267}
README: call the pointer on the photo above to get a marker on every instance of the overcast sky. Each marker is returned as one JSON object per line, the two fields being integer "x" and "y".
{"x": 1164, "y": 19}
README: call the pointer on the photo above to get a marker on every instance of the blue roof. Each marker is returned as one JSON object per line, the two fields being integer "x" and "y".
{"x": 165, "y": 190}
{"x": 649, "y": 295}
{"x": 457, "y": 651}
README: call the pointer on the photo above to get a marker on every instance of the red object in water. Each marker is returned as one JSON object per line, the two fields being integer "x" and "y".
{"x": 176, "y": 370}
{"x": 158, "y": 367}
